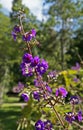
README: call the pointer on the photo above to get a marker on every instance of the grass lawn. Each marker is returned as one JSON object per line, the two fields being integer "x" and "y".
{"x": 9, "y": 114}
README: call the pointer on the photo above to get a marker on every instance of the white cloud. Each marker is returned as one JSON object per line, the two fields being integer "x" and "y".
{"x": 7, "y": 4}
{"x": 34, "y": 5}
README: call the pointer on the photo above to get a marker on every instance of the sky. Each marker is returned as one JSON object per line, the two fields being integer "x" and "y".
{"x": 34, "y": 5}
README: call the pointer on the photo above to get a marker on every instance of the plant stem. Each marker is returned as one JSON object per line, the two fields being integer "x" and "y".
{"x": 23, "y": 32}
{"x": 73, "y": 108}
{"x": 75, "y": 123}
{"x": 29, "y": 48}
{"x": 56, "y": 113}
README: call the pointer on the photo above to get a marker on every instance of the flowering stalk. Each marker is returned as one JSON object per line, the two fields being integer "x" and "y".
{"x": 23, "y": 33}
{"x": 39, "y": 78}
{"x": 35, "y": 66}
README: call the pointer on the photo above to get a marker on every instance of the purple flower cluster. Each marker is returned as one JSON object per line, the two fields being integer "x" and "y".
{"x": 26, "y": 69}
{"x": 44, "y": 92}
{"x": 61, "y": 92}
{"x": 26, "y": 37}
{"x": 29, "y": 35}
{"x": 31, "y": 64}
{"x": 16, "y": 30}
{"x": 43, "y": 125}
{"x": 53, "y": 75}
{"x": 70, "y": 117}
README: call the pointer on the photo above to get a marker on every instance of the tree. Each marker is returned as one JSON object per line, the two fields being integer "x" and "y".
{"x": 76, "y": 48}
{"x": 5, "y": 47}
{"x": 66, "y": 15}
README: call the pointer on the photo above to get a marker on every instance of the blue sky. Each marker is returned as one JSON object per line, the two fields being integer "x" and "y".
{"x": 34, "y": 5}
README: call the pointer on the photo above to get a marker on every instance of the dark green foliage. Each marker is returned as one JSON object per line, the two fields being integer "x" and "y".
{"x": 76, "y": 49}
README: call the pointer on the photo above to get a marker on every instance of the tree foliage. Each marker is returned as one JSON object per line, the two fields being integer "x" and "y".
{"x": 64, "y": 18}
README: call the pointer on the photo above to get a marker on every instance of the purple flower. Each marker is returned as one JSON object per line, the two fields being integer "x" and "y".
{"x": 17, "y": 29}
{"x": 25, "y": 97}
{"x": 78, "y": 117}
{"x": 39, "y": 125}
{"x": 20, "y": 85}
{"x": 14, "y": 35}
{"x": 61, "y": 92}
{"x": 74, "y": 100}
{"x": 36, "y": 95}
{"x": 27, "y": 37}
{"x": 42, "y": 67}
{"x": 33, "y": 32}
{"x": 18, "y": 88}
{"x": 27, "y": 58}
{"x": 48, "y": 89}
{"x": 38, "y": 83}
{"x": 26, "y": 69}
{"x": 70, "y": 117}
{"x": 35, "y": 61}
{"x": 43, "y": 125}
{"x": 47, "y": 125}
{"x": 77, "y": 67}
{"x": 76, "y": 79}
{"x": 15, "y": 89}
{"x": 52, "y": 74}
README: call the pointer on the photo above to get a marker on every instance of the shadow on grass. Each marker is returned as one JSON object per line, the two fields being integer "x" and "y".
{"x": 9, "y": 118}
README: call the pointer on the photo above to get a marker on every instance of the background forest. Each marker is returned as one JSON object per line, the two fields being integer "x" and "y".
{"x": 60, "y": 37}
